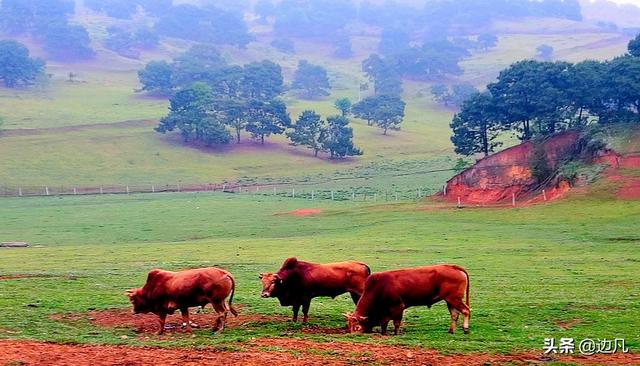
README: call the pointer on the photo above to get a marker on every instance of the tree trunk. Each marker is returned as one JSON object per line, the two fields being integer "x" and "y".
{"x": 237, "y": 135}
{"x": 315, "y": 152}
{"x": 385, "y": 131}
{"x": 261, "y": 139}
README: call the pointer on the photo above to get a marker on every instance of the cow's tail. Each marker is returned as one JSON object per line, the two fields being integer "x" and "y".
{"x": 233, "y": 290}
{"x": 468, "y": 283}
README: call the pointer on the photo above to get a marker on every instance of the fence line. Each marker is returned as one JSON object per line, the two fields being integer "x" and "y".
{"x": 293, "y": 190}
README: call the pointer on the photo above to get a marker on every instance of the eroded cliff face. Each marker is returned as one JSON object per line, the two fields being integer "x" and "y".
{"x": 506, "y": 174}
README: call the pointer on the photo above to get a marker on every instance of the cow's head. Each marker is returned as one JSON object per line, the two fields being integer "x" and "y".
{"x": 269, "y": 283}
{"x": 356, "y": 323}
{"x": 139, "y": 301}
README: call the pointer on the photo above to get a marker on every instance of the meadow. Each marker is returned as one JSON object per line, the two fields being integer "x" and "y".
{"x": 566, "y": 269}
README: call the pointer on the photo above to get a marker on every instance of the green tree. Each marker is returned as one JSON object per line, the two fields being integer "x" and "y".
{"x": 343, "y": 105}
{"x": 544, "y": 52}
{"x": 538, "y": 163}
{"x": 486, "y": 41}
{"x": 199, "y": 63}
{"x": 338, "y": 140}
{"x": 343, "y": 47}
{"x": 309, "y": 131}
{"x": 440, "y": 93}
{"x": 634, "y": 46}
{"x": 64, "y": 41}
{"x": 262, "y": 80}
{"x": 16, "y": 67}
{"x": 191, "y": 112}
{"x": 235, "y": 114}
{"x": 476, "y": 127}
{"x": 266, "y": 118}
{"x": 365, "y": 109}
{"x": 385, "y": 76}
{"x": 311, "y": 79}
{"x": 389, "y": 112}
{"x": 157, "y": 77}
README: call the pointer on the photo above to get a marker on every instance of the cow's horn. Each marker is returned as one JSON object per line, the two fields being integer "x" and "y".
{"x": 347, "y": 315}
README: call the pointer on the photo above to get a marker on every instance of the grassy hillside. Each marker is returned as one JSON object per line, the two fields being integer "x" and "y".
{"x": 533, "y": 270}
{"x": 63, "y": 148}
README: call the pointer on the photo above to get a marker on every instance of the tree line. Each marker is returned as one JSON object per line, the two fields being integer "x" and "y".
{"x": 48, "y": 22}
{"x": 536, "y": 99}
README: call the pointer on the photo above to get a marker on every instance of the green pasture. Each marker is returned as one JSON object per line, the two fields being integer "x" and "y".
{"x": 532, "y": 269}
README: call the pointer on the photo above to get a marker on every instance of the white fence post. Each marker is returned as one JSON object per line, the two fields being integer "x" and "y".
{"x": 513, "y": 199}
{"x": 101, "y": 192}
{"x": 396, "y": 195}
{"x": 75, "y": 191}
{"x": 313, "y": 193}
{"x": 153, "y": 189}
{"x": 293, "y": 193}
{"x": 46, "y": 191}
{"x": 459, "y": 202}
{"x": 544, "y": 194}
{"x": 332, "y": 198}
{"x": 20, "y": 191}
{"x": 127, "y": 189}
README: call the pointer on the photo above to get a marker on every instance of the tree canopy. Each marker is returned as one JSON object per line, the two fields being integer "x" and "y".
{"x": 309, "y": 131}
{"x": 338, "y": 140}
{"x": 16, "y": 67}
{"x": 311, "y": 80}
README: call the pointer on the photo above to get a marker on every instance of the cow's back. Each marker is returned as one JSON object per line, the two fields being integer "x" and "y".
{"x": 329, "y": 279}
{"x": 189, "y": 284}
{"x": 415, "y": 286}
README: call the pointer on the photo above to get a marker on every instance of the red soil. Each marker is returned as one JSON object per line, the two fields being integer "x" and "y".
{"x": 147, "y": 324}
{"x": 272, "y": 351}
{"x": 305, "y": 212}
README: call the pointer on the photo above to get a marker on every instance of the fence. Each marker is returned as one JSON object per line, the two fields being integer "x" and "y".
{"x": 289, "y": 190}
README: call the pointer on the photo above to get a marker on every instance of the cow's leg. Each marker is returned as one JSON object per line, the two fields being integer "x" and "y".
{"x": 454, "y": 317}
{"x": 296, "y": 309}
{"x": 221, "y": 310}
{"x": 186, "y": 323}
{"x": 305, "y": 310}
{"x": 396, "y": 315}
{"x": 464, "y": 309}
{"x": 355, "y": 297}
{"x": 162, "y": 318}
{"x": 383, "y": 325}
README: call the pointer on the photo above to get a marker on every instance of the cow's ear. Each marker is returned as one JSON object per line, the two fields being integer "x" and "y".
{"x": 261, "y": 275}
{"x": 130, "y": 293}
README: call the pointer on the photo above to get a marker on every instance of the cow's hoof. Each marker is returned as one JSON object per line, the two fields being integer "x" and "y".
{"x": 466, "y": 330}
{"x": 450, "y": 331}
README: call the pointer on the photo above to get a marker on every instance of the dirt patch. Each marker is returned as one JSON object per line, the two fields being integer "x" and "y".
{"x": 147, "y": 324}
{"x": 305, "y": 212}
{"x": 630, "y": 189}
{"x": 272, "y": 351}
{"x": 21, "y": 276}
{"x": 566, "y": 324}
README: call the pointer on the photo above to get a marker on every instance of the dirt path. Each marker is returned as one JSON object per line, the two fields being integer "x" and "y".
{"x": 271, "y": 352}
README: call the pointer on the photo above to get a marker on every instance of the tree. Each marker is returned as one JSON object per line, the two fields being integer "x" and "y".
{"x": 540, "y": 168}
{"x": 365, "y": 109}
{"x": 544, "y": 52}
{"x": 266, "y": 118}
{"x": 440, "y": 93}
{"x": 157, "y": 77}
{"x": 393, "y": 42}
{"x": 343, "y": 47}
{"x": 385, "y": 76}
{"x": 16, "y": 67}
{"x": 262, "y": 80}
{"x": 476, "y": 127}
{"x": 634, "y": 46}
{"x": 285, "y": 45}
{"x": 486, "y": 41}
{"x": 235, "y": 114}
{"x": 309, "y": 131}
{"x": 191, "y": 112}
{"x": 343, "y": 105}
{"x": 389, "y": 112}
{"x": 64, "y": 41}
{"x": 311, "y": 79}
{"x": 338, "y": 140}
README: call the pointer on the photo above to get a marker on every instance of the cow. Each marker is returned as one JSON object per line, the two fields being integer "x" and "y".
{"x": 387, "y": 294}
{"x": 297, "y": 282}
{"x": 165, "y": 292}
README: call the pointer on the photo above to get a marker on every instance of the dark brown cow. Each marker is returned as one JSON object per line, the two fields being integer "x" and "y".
{"x": 297, "y": 282}
{"x": 165, "y": 292}
{"x": 387, "y": 294}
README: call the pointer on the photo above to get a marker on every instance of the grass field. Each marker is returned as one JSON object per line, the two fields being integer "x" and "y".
{"x": 532, "y": 269}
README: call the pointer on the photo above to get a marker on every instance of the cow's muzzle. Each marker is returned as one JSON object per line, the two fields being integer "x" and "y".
{"x": 265, "y": 294}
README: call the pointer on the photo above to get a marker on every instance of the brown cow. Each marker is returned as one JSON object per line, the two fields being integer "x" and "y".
{"x": 387, "y": 294}
{"x": 297, "y": 282}
{"x": 165, "y": 292}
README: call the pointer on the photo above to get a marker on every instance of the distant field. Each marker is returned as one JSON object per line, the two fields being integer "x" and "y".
{"x": 533, "y": 270}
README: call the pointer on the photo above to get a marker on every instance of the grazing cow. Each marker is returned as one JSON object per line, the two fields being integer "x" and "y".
{"x": 387, "y": 294}
{"x": 297, "y": 282}
{"x": 165, "y": 292}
